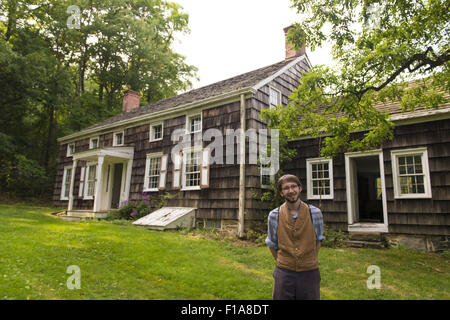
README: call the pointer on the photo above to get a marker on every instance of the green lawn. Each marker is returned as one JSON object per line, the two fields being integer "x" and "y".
{"x": 120, "y": 261}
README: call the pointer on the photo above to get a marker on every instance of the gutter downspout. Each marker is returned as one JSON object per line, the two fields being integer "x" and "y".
{"x": 242, "y": 170}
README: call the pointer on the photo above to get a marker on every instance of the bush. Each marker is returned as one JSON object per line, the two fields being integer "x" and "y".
{"x": 333, "y": 238}
{"x": 133, "y": 210}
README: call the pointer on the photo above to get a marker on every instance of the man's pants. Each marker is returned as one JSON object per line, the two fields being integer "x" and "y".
{"x": 291, "y": 285}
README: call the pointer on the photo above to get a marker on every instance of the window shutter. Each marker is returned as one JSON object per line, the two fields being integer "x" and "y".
{"x": 204, "y": 169}
{"x": 163, "y": 172}
{"x": 177, "y": 171}
{"x": 81, "y": 188}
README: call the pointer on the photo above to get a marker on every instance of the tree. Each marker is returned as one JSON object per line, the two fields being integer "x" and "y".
{"x": 384, "y": 51}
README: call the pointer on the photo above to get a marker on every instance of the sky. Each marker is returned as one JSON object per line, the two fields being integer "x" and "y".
{"x": 231, "y": 37}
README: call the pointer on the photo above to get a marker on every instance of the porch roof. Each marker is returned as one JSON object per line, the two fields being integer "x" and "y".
{"x": 113, "y": 153}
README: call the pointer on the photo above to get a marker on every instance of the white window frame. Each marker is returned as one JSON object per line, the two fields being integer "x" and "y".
{"x": 271, "y": 106}
{"x": 70, "y": 151}
{"x": 86, "y": 180}
{"x": 309, "y": 186}
{"x": 188, "y": 121}
{"x": 90, "y": 142}
{"x": 152, "y": 131}
{"x": 115, "y": 144}
{"x": 184, "y": 162}
{"x": 151, "y": 156}
{"x": 423, "y": 152}
{"x": 63, "y": 186}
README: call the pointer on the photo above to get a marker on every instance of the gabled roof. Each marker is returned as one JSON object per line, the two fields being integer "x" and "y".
{"x": 252, "y": 79}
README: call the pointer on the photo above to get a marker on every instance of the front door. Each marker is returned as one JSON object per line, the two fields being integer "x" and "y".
{"x": 366, "y": 201}
{"x": 116, "y": 185}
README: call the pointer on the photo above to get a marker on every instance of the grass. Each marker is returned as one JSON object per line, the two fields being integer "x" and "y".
{"x": 120, "y": 261}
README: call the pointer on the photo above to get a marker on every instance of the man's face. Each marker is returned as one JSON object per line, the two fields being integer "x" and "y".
{"x": 290, "y": 191}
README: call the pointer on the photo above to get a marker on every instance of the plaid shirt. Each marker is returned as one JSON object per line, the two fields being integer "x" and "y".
{"x": 272, "y": 225}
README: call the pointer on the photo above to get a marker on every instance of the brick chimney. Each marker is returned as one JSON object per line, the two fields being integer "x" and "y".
{"x": 290, "y": 51}
{"x": 131, "y": 100}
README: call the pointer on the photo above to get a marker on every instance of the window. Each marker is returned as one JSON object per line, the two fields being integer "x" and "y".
{"x": 266, "y": 176}
{"x": 191, "y": 168}
{"x": 274, "y": 97}
{"x": 152, "y": 172}
{"x": 93, "y": 143}
{"x": 156, "y": 132}
{"x": 91, "y": 181}
{"x": 65, "y": 188}
{"x": 70, "y": 149}
{"x": 194, "y": 123}
{"x": 320, "y": 178}
{"x": 411, "y": 173}
{"x": 118, "y": 139}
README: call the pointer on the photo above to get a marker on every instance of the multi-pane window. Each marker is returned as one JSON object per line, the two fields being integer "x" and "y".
{"x": 66, "y": 183}
{"x": 156, "y": 132}
{"x": 91, "y": 180}
{"x": 266, "y": 176}
{"x": 320, "y": 178}
{"x": 411, "y": 174}
{"x": 153, "y": 167}
{"x": 93, "y": 143}
{"x": 194, "y": 123}
{"x": 70, "y": 149}
{"x": 274, "y": 97}
{"x": 192, "y": 168}
{"x": 118, "y": 139}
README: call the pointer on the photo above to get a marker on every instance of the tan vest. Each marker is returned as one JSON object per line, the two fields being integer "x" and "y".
{"x": 297, "y": 248}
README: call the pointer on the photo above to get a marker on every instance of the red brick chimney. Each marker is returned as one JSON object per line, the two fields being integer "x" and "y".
{"x": 131, "y": 100}
{"x": 290, "y": 51}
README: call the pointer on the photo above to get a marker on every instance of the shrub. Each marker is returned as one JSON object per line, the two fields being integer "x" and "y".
{"x": 134, "y": 209}
{"x": 333, "y": 238}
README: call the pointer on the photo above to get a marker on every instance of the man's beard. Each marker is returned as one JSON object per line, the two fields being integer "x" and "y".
{"x": 293, "y": 198}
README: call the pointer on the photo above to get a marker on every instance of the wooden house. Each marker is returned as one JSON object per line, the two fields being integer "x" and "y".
{"x": 399, "y": 192}
{"x": 132, "y": 154}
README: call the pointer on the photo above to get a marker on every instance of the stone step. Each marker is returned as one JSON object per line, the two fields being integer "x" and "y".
{"x": 366, "y": 236}
{"x": 363, "y": 244}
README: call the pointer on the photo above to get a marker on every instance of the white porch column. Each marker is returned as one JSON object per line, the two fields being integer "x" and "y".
{"x": 98, "y": 187}
{"x": 126, "y": 195}
{"x": 72, "y": 180}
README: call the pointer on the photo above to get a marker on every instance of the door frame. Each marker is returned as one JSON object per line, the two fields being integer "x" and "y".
{"x": 352, "y": 200}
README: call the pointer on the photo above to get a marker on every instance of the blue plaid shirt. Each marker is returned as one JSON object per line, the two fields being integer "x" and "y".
{"x": 272, "y": 225}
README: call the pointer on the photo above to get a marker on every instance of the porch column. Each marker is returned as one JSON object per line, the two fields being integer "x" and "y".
{"x": 128, "y": 180}
{"x": 98, "y": 187}
{"x": 72, "y": 180}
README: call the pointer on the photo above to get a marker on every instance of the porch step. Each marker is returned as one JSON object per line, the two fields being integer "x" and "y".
{"x": 365, "y": 240}
{"x": 80, "y": 215}
{"x": 364, "y": 244}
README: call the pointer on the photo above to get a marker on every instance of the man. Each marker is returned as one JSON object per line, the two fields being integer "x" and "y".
{"x": 294, "y": 234}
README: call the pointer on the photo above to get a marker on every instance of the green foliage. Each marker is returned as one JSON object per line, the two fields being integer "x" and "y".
{"x": 134, "y": 209}
{"x": 272, "y": 195}
{"x": 383, "y": 51}
{"x": 57, "y": 80}
{"x": 333, "y": 238}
